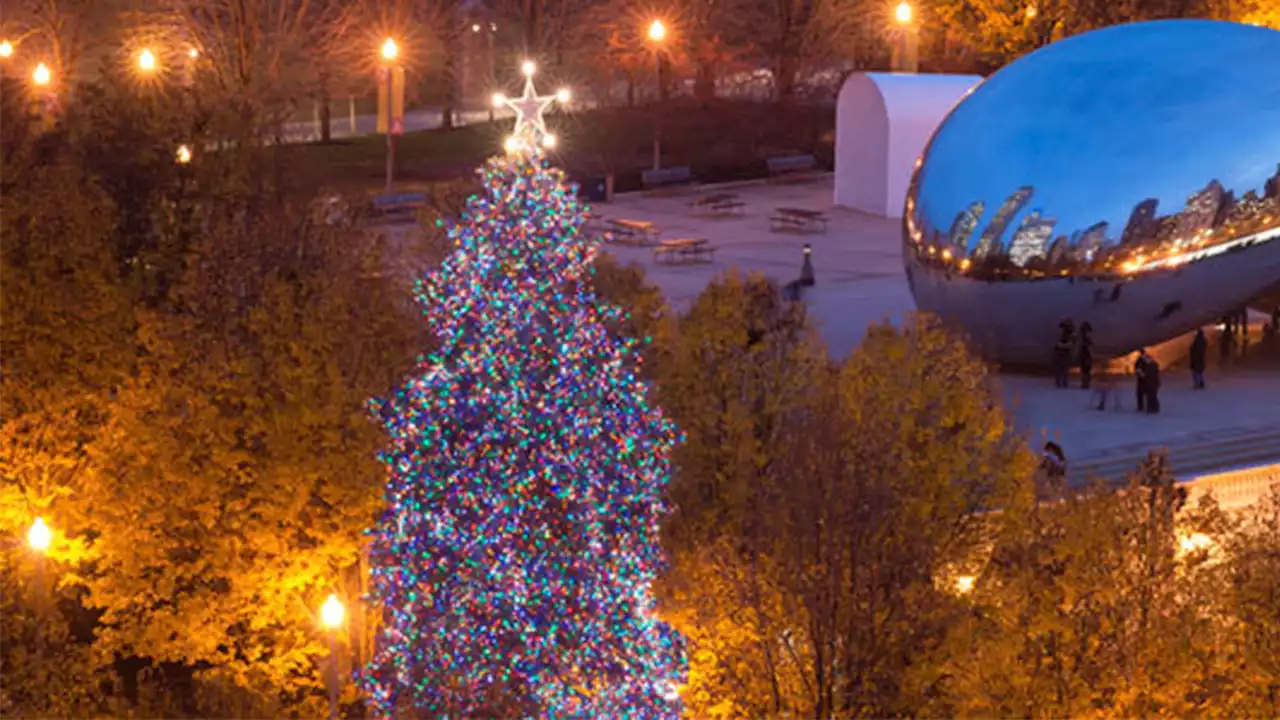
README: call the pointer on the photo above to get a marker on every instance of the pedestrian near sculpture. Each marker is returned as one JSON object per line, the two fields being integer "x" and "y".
{"x": 1147, "y": 371}
{"x": 1196, "y": 359}
{"x": 1062, "y": 355}
{"x": 1086, "y": 355}
{"x": 1142, "y": 379}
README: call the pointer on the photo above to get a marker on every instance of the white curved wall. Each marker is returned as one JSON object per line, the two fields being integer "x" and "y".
{"x": 883, "y": 122}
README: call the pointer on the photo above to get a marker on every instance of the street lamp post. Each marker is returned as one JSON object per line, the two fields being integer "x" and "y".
{"x": 332, "y": 614}
{"x": 39, "y": 537}
{"x": 493, "y": 30}
{"x": 657, "y": 33}
{"x": 390, "y": 51}
{"x": 906, "y": 43}
{"x": 489, "y": 33}
{"x": 45, "y": 99}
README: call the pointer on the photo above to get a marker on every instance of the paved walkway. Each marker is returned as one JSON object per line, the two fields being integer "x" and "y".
{"x": 857, "y": 261}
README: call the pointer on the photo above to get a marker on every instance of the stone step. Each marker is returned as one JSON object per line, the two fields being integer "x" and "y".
{"x": 1204, "y": 453}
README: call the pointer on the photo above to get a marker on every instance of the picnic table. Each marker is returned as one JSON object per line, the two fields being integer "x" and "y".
{"x": 683, "y": 250}
{"x": 632, "y": 232}
{"x": 790, "y": 218}
{"x": 718, "y": 203}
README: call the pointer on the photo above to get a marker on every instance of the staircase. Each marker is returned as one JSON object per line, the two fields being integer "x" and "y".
{"x": 1190, "y": 457}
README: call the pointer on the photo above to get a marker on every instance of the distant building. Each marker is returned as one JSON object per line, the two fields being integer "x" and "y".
{"x": 1059, "y": 251}
{"x": 965, "y": 223}
{"x": 1271, "y": 189}
{"x": 1201, "y": 210}
{"x": 1224, "y": 209}
{"x": 1031, "y": 239}
{"x": 1142, "y": 222}
{"x": 989, "y": 242}
{"x": 1089, "y": 240}
{"x": 1245, "y": 211}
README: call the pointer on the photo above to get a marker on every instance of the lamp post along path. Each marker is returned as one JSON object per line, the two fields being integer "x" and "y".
{"x": 391, "y": 103}
{"x": 906, "y": 48}
{"x": 332, "y": 615}
{"x": 39, "y": 536}
{"x": 657, "y": 33}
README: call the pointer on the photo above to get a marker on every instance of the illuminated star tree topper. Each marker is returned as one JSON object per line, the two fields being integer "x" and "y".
{"x": 531, "y": 127}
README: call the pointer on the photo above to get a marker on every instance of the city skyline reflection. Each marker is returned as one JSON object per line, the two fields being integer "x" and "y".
{"x": 1128, "y": 178}
{"x": 1121, "y": 151}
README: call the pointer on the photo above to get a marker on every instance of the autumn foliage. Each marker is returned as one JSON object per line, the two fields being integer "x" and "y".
{"x": 186, "y": 358}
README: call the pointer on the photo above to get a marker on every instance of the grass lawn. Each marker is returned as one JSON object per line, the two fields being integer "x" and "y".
{"x": 718, "y": 140}
{"x": 421, "y": 157}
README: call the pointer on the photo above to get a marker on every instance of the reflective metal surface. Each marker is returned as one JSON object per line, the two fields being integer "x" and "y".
{"x": 1128, "y": 178}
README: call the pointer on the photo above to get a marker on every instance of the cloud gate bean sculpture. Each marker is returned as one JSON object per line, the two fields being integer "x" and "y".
{"x": 1128, "y": 178}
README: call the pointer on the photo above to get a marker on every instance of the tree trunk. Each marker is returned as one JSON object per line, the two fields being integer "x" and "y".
{"x": 326, "y": 114}
{"x": 532, "y": 9}
{"x": 784, "y": 82}
{"x": 449, "y": 74}
{"x": 631, "y": 89}
{"x": 704, "y": 83}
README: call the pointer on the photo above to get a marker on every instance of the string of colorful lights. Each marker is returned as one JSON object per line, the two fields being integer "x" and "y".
{"x": 526, "y": 475}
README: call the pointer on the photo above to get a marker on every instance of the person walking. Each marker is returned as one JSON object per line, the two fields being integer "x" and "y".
{"x": 1140, "y": 379}
{"x": 1198, "y": 348}
{"x": 1062, "y": 356}
{"x": 1152, "y": 381}
{"x": 1086, "y": 355}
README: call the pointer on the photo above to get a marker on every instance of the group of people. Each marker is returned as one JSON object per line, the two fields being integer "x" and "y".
{"x": 1079, "y": 346}
{"x": 1063, "y": 350}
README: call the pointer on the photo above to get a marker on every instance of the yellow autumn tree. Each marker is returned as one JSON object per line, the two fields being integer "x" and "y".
{"x": 238, "y": 471}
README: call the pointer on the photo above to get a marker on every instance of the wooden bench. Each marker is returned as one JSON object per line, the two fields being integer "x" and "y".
{"x": 683, "y": 251}
{"x": 666, "y": 178}
{"x": 640, "y": 233}
{"x": 792, "y": 167}
{"x": 399, "y": 207}
{"x": 799, "y": 220}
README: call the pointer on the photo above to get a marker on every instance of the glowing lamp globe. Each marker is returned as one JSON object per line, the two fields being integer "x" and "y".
{"x": 41, "y": 75}
{"x": 332, "y": 613}
{"x": 39, "y": 536}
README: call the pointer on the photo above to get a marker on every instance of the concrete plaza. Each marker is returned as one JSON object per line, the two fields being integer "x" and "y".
{"x": 859, "y": 271}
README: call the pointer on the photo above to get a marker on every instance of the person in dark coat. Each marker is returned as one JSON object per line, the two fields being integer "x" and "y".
{"x": 1198, "y": 348}
{"x": 1086, "y": 355}
{"x": 1152, "y": 381}
{"x": 1062, "y": 354}
{"x": 1140, "y": 379}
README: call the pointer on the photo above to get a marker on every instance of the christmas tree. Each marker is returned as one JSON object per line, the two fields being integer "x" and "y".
{"x": 526, "y": 475}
